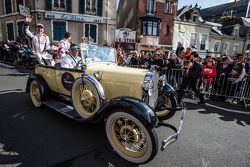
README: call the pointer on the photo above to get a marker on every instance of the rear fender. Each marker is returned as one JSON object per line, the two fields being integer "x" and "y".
{"x": 132, "y": 105}
{"x": 42, "y": 83}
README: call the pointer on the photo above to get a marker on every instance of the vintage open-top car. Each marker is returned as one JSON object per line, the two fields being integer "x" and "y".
{"x": 130, "y": 101}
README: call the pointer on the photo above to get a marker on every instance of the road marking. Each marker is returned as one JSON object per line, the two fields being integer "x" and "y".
{"x": 12, "y": 91}
{"x": 221, "y": 108}
{"x": 205, "y": 163}
{"x": 211, "y": 105}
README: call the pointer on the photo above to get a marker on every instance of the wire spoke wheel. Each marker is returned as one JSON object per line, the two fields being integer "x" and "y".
{"x": 85, "y": 98}
{"x": 35, "y": 94}
{"x": 130, "y": 138}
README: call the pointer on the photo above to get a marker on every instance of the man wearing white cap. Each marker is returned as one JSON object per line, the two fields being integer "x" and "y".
{"x": 72, "y": 60}
{"x": 40, "y": 41}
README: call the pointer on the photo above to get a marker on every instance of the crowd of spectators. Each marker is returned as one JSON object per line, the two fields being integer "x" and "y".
{"x": 223, "y": 75}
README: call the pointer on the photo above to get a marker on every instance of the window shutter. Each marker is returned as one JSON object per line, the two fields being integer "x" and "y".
{"x": 8, "y": 8}
{"x": 81, "y": 6}
{"x": 86, "y": 30}
{"x": 48, "y": 5}
{"x": 59, "y": 28}
{"x": 69, "y": 6}
{"x": 10, "y": 31}
{"x": 17, "y": 4}
{"x": 93, "y": 32}
{"x": 99, "y": 7}
{"x": 20, "y": 29}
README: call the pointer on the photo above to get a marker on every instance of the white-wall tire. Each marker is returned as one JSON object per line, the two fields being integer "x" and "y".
{"x": 145, "y": 141}
{"x": 35, "y": 94}
{"x": 85, "y": 98}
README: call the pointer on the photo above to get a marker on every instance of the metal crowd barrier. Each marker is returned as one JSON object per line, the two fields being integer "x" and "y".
{"x": 221, "y": 86}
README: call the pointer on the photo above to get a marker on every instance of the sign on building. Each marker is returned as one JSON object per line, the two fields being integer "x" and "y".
{"x": 125, "y": 35}
{"x": 24, "y": 11}
{"x": 71, "y": 17}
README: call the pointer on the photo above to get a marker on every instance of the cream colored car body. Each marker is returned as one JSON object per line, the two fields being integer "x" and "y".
{"x": 115, "y": 80}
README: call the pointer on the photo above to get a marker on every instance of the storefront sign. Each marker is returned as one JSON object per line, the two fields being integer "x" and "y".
{"x": 24, "y": 11}
{"x": 60, "y": 16}
{"x": 125, "y": 35}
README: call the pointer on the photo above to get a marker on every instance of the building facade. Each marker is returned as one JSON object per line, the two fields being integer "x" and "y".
{"x": 235, "y": 30}
{"x": 151, "y": 19}
{"x": 210, "y": 38}
{"x": 93, "y": 19}
{"x": 191, "y": 31}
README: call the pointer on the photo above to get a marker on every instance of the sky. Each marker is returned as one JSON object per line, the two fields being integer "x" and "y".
{"x": 202, "y": 3}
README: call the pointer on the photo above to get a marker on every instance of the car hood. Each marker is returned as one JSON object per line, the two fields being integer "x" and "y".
{"x": 118, "y": 80}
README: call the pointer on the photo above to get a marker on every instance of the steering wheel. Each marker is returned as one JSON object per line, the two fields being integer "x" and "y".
{"x": 80, "y": 61}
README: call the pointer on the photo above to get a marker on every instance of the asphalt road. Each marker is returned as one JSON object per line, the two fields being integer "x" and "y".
{"x": 213, "y": 135}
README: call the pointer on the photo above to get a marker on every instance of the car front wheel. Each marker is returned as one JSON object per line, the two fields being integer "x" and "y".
{"x": 164, "y": 103}
{"x": 130, "y": 138}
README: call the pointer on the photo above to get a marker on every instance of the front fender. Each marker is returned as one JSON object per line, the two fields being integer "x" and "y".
{"x": 131, "y": 105}
{"x": 168, "y": 89}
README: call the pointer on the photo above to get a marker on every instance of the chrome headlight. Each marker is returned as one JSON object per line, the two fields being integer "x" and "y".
{"x": 162, "y": 80}
{"x": 148, "y": 84}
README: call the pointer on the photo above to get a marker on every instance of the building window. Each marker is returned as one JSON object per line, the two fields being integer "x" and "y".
{"x": 235, "y": 49}
{"x": 203, "y": 42}
{"x": 19, "y": 2}
{"x": 10, "y": 31}
{"x": 248, "y": 32}
{"x": 59, "y": 5}
{"x": 193, "y": 39}
{"x": 167, "y": 30}
{"x": 151, "y": 6}
{"x": 90, "y": 31}
{"x": 59, "y": 28}
{"x": 20, "y": 33}
{"x": 181, "y": 37}
{"x": 248, "y": 46}
{"x": 8, "y": 6}
{"x": 235, "y": 32}
{"x": 91, "y": 7}
{"x": 226, "y": 48}
{"x": 150, "y": 27}
{"x": 168, "y": 7}
{"x": 217, "y": 47}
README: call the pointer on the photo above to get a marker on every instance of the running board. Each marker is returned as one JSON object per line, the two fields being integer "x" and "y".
{"x": 63, "y": 108}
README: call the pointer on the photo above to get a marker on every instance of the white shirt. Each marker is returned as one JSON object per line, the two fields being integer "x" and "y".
{"x": 64, "y": 46}
{"x": 70, "y": 61}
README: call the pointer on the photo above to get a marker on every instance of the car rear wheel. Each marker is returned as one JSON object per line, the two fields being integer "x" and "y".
{"x": 165, "y": 101}
{"x": 85, "y": 98}
{"x": 35, "y": 93}
{"x": 130, "y": 138}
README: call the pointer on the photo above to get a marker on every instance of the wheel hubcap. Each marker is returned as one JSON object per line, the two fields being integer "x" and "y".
{"x": 128, "y": 136}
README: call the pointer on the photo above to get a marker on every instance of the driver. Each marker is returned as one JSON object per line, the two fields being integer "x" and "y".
{"x": 72, "y": 60}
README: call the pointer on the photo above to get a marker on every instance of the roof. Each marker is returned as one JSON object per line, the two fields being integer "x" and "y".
{"x": 246, "y": 21}
{"x": 239, "y": 9}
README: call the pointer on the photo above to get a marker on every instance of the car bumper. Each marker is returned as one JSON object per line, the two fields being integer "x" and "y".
{"x": 172, "y": 138}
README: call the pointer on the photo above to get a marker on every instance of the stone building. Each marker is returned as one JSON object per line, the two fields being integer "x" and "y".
{"x": 82, "y": 18}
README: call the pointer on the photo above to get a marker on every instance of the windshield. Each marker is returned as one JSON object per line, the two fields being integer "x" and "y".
{"x": 95, "y": 53}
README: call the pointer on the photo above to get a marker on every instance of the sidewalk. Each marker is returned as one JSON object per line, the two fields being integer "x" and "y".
{"x": 7, "y": 66}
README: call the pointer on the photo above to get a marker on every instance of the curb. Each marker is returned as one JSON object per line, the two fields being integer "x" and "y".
{"x": 6, "y": 66}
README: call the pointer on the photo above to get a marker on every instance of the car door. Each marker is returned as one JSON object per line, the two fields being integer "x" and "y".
{"x": 65, "y": 79}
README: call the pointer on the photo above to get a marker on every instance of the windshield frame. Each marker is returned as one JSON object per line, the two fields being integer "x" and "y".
{"x": 95, "y": 53}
